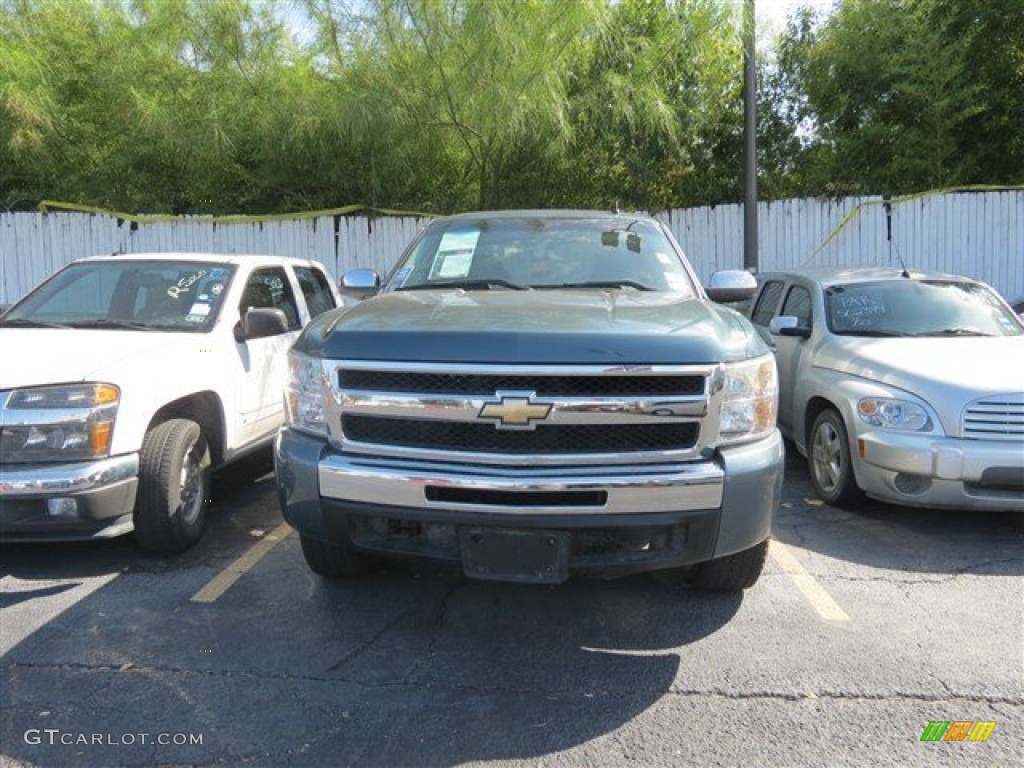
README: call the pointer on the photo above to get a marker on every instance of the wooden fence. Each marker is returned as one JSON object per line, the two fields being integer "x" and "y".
{"x": 980, "y": 234}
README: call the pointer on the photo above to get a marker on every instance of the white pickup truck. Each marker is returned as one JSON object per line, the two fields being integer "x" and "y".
{"x": 126, "y": 379}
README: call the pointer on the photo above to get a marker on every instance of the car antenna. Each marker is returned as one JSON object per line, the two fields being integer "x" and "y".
{"x": 888, "y": 236}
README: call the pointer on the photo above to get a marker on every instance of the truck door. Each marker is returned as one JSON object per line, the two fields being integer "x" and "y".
{"x": 263, "y": 363}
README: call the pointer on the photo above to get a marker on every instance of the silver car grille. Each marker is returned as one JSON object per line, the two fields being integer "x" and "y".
{"x": 995, "y": 417}
{"x": 523, "y": 415}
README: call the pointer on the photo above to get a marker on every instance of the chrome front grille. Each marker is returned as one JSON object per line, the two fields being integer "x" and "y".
{"x": 996, "y": 417}
{"x": 523, "y": 415}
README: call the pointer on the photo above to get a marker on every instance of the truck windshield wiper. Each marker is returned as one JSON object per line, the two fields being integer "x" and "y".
{"x": 602, "y": 284}
{"x": 21, "y": 322}
{"x": 954, "y": 332}
{"x": 468, "y": 285}
{"x": 106, "y": 322}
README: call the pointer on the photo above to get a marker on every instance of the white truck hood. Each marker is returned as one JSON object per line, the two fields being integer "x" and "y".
{"x": 38, "y": 356}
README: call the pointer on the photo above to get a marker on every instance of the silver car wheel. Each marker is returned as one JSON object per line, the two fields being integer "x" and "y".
{"x": 827, "y": 453}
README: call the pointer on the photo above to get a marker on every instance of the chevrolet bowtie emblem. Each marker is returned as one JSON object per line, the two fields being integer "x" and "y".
{"x": 514, "y": 412}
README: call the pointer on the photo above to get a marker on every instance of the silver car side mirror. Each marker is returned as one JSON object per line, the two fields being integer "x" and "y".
{"x": 787, "y": 325}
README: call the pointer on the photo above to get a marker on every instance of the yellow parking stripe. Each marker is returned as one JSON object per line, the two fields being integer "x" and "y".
{"x": 816, "y": 594}
{"x": 220, "y": 583}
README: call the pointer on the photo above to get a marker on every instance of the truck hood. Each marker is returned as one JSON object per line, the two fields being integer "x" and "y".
{"x": 535, "y": 327}
{"x": 946, "y": 372}
{"x": 38, "y": 356}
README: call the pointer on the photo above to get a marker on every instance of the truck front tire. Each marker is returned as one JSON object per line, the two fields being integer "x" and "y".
{"x": 732, "y": 573}
{"x": 174, "y": 487}
{"x": 333, "y": 561}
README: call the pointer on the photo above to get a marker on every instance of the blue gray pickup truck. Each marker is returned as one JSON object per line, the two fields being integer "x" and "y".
{"x": 532, "y": 394}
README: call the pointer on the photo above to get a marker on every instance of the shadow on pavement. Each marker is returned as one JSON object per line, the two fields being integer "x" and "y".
{"x": 901, "y": 538}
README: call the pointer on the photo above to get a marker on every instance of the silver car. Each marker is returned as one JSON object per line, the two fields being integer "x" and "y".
{"x": 905, "y": 387}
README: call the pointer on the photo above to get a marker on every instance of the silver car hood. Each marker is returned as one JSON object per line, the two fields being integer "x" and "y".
{"x": 948, "y": 373}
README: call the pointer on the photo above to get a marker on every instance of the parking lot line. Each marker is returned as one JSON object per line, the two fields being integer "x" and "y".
{"x": 816, "y": 595}
{"x": 220, "y": 583}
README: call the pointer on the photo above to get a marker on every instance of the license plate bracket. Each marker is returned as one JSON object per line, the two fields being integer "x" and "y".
{"x": 526, "y": 557}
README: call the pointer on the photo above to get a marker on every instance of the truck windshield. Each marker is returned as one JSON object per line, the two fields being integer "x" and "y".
{"x": 544, "y": 253}
{"x": 918, "y": 308}
{"x": 127, "y": 295}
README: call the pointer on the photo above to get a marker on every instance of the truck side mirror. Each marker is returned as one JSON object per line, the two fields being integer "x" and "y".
{"x": 787, "y": 325}
{"x": 260, "y": 322}
{"x": 360, "y": 283}
{"x": 731, "y": 285}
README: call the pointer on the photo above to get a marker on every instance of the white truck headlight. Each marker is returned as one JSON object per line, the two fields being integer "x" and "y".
{"x": 305, "y": 398}
{"x": 890, "y": 413}
{"x": 750, "y": 396}
{"x": 70, "y": 422}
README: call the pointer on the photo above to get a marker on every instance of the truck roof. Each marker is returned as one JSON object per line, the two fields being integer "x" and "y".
{"x": 548, "y": 213}
{"x": 205, "y": 256}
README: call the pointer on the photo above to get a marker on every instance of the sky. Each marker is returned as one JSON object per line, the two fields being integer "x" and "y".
{"x": 771, "y": 14}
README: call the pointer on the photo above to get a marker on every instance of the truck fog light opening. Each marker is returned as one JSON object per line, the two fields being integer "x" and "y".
{"x": 63, "y": 506}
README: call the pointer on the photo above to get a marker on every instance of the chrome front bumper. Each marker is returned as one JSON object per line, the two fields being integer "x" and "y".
{"x": 635, "y": 489}
{"x": 42, "y": 480}
{"x": 68, "y": 502}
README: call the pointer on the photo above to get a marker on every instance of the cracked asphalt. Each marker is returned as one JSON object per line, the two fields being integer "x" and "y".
{"x": 107, "y": 661}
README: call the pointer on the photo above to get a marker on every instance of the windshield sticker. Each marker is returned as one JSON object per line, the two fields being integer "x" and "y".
{"x": 190, "y": 318}
{"x": 216, "y": 288}
{"x": 199, "y": 309}
{"x": 216, "y": 272}
{"x": 400, "y": 277}
{"x": 184, "y": 285}
{"x": 454, "y": 254}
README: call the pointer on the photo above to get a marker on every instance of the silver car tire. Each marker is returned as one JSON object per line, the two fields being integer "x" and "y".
{"x": 831, "y": 463}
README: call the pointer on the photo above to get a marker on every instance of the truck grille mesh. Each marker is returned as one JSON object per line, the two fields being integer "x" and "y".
{"x": 544, "y": 386}
{"x": 546, "y": 439}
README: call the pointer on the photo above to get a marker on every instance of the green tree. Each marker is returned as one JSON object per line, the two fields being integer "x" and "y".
{"x": 893, "y": 96}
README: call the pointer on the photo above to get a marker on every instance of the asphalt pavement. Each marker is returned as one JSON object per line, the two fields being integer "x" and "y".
{"x": 865, "y": 627}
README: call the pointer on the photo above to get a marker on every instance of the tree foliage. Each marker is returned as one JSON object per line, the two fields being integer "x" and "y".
{"x": 216, "y": 106}
{"x": 903, "y": 95}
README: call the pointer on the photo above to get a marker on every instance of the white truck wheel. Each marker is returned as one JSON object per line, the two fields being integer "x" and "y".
{"x": 174, "y": 482}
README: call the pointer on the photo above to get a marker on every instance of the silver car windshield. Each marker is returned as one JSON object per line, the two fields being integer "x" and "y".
{"x": 127, "y": 295}
{"x": 918, "y": 308}
{"x": 543, "y": 253}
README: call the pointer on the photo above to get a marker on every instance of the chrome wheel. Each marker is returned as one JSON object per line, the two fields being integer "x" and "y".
{"x": 827, "y": 453}
{"x": 831, "y": 462}
{"x": 191, "y": 485}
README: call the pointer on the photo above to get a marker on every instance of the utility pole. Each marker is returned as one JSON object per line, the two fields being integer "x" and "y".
{"x": 749, "y": 140}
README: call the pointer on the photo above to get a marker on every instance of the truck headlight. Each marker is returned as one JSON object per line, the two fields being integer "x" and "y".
{"x": 890, "y": 413}
{"x": 305, "y": 400}
{"x": 70, "y": 422}
{"x": 750, "y": 395}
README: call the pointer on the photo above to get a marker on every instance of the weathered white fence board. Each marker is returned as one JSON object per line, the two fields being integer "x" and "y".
{"x": 980, "y": 234}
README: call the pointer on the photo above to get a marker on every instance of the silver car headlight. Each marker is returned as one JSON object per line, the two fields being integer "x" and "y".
{"x": 71, "y": 422}
{"x": 305, "y": 399}
{"x": 750, "y": 397}
{"x": 889, "y": 413}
